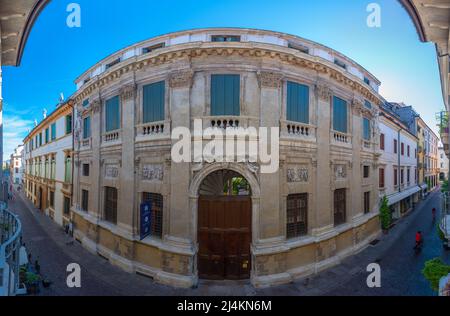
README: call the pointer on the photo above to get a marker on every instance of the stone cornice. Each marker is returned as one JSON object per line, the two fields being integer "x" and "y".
{"x": 308, "y": 62}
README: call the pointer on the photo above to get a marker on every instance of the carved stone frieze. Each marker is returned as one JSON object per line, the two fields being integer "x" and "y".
{"x": 269, "y": 79}
{"x": 181, "y": 79}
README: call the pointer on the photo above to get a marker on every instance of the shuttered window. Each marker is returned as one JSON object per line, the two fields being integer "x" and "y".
{"x": 85, "y": 200}
{"x": 297, "y": 102}
{"x": 156, "y": 201}
{"x": 68, "y": 124}
{"x": 112, "y": 113}
{"x": 47, "y": 135}
{"x": 66, "y": 206}
{"x": 366, "y": 129}
{"x": 297, "y": 215}
{"x": 339, "y": 115}
{"x": 382, "y": 141}
{"x": 366, "y": 202}
{"x": 381, "y": 178}
{"x": 87, "y": 127}
{"x": 153, "y": 102}
{"x": 111, "y": 205}
{"x": 68, "y": 170}
{"x": 225, "y": 95}
{"x": 339, "y": 207}
{"x": 53, "y": 131}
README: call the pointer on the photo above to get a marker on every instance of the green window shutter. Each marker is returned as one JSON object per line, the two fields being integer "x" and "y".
{"x": 297, "y": 102}
{"x": 53, "y": 131}
{"x": 225, "y": 95}
{"x": 40, "y": 139}
{"x": 87, "y": 127}
{"x": 153, "y": 102}
{"x": 366, "y": 129}
{"x": 46, "y": 136}
{"x": 112, "y": 114}
{"x": 339, "y": 115}
{"x": 68, "y": 124}
{"x": 68, "y": 169}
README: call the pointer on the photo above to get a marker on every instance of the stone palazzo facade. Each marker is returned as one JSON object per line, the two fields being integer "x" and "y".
{"x": 319, "y": 207}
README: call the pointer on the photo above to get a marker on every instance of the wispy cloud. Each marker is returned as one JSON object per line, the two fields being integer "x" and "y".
{"x": 15, "y": 128}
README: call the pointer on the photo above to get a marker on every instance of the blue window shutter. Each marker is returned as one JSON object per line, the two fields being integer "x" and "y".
{"x": 297, "y": 102}
{"x": 87, "y": 127}
{"x": 339, "y": 115}
{"x": 112, "y": 114}
{"x": 366, "y": 129}
{"x": 225, "y": 95}
{"x": 153, "y": 102}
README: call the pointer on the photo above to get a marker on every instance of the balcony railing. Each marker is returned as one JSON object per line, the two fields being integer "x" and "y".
{"x": 86, "y": 143}
{"x": 10, "y": 235}
{"x": 341, "y": 138}
{"x": 298, "y": 130}
{"x": 113, "y": 136}
{"x": 153, "y": 130}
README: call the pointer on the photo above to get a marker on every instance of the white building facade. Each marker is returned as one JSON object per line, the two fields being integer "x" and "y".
{"x": 443, "y": 164}
{"x": 398, "y": 164}
{"x": 16, "y": 166}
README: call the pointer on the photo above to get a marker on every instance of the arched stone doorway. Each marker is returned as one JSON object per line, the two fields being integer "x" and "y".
{"x": 224, "y": 231}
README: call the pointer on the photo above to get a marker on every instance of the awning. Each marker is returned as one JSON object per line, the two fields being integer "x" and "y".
{"x": 423, "y": 186}
{"x": 394, "y": 198}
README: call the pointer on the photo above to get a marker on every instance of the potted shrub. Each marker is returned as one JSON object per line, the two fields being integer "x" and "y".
{"x": 32, "y": 282}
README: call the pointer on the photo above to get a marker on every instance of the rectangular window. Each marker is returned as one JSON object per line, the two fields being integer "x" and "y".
{"x": 225, "y": 38}
{"x": 225, "y": 95}
{"x": 402, "y": 149}
{"x": 52, "y": 199}
{"x": 85, "y": 200}
{"x": 112, "y": 112}
{"x": 53, "y": 131}
{"x": 408, "y": 175}
{"x": 297, "y": 215}
{"x": 366, "y": 171}
{"x": 114, "y": 62}
{"x": 407, "y": 150}
{"x": 300, "y": 48}
{"x": 156, "y": 201}
{"x": 85, "y": 102}
{"x": 395, "y": 146}
{"x": 66, "y": 206}
{"x": 68, "y": 170}
{"x": 86, "y": 127}
{"x": 339, "y": 207}
{"x": 339, "y": 115}
{"x": 297, "y": 102}
{"x": 40, "y": 139}
{"x": 111, "y": 205}
{"x": 402, "y": 174}
{"x": 47, "y": 136}
{"x": 53, "y": 169}
{"x": 85, "y": 170}
{"x": 395, "y": 177}
{"x": 153, "y": 102}
{"x": 366, "y": 80}
{"x": 366, "y": 202}
{"x": 367, "y": 104}
{"x": 382, "y": 141}
{"x": 366, "y": 129}
{"x": 150, "y": 49}
{"x": 68, "y": 124}
{"x": 381, "y": 178}
{"x": 340, "y": 63}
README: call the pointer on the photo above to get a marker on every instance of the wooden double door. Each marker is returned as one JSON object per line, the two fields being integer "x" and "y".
{"x": 224, "y": 237}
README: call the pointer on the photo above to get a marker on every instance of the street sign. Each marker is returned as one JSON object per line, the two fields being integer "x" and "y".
{"x": 146, "y": 218}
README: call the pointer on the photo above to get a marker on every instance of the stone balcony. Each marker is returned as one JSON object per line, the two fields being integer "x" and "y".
{"x": 341, "y": 139}
{"x": 86, "y": 144}
{"x": 112, "y": 137}
{"x": 153, "y": 131}
{"x": 297, "y": 131}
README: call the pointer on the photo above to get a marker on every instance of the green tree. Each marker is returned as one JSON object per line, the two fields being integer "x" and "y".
{"x": 434, "y": 270}
{"x": 385, "y": 214}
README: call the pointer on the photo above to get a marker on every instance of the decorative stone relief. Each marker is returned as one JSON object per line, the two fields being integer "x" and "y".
{"x": 96, "y": 105}
{"x": 128, "y": 92}
{"x": 181, "y": 79}
{"x": 269, "y": 79}
{"x": 323, "y": 92}
{"x": 111, "y": 171}
{"x": 340, "y": 172}
{"x": 357, "y": 106}
{"x": 153, "y": 172}
{"x": 298, "y": 174}
{"x": 253, "y": 167}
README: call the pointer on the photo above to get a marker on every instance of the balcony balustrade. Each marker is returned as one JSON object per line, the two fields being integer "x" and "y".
{"x": 113, "y": 136}
{"x": 153, "y": 130}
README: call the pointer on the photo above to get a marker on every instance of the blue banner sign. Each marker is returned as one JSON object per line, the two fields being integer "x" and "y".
{"x": 146, "y": 219}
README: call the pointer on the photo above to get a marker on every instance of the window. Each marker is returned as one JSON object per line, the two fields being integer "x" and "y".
{"x": 297, "y": 102}
{"x": 114, "y": 62}
{"x": 68, "y": 170}
{"x": 297, "y": 215}
{"x": 382, "y": 141}
{"x": 367, "y": 81}
{"x": 150, "y": 49}
{"x": 156, "y": 201}
{"x": 40, "y": 139}
{"x": 47, "y": 136}
{"x": 85, "y": 102}
{"x": 68, "y": 124}
{"x": 85, "y": 170}
{"x": 225, "y": 38}
{"x": 366, "y": 171}
{"x": 402, "y": 174}
{"x": 53, "y": 131}
{"x": 52, "y": 199}
{"x": 366, "y": 202}
{"x": 395, "y": 146}
{"x": 367, "y": 104}
{"x": 111, "y": 205}
{"x": 381, "y": 178}
{"x": 407, "y": 175}
{"x": 301, "y": 48}
{"x": 407, "y": 150}
{"x": 66, "y": 206}
{"x": 46, "y": 169}
{"x": 112, "y": 114}
{"x": 339, "y": 207}
{"x": 86, "y": 127}
{"x": 153, "y": 102}
{"x": 366, "y": 129}
{"x": 85, "y": 200}
{"x": 340, "y": 63}
{"x": 395, "y": 177}
{"x": 339, "y": 115}
{"x": 403, "y": 149}
{"x": 53, "y": 169}
{"x": 225, "y": 95}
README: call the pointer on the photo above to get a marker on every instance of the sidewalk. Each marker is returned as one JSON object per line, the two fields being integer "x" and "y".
{"x": 56, "y": 250}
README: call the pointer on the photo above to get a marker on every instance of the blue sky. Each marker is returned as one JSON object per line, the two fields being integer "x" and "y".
{"x": 56, "y": 54}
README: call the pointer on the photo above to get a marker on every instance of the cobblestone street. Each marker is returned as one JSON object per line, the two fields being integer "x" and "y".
{"x": 400, "y": 267}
